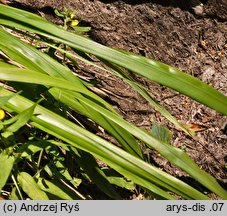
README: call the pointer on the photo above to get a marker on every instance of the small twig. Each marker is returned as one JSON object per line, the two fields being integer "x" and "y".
{"x": 39, "y": 159}
{"x": 71, "y": 188}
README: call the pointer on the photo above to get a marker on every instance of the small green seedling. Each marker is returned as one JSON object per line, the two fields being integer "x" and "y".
{"x": 70, "y": 20}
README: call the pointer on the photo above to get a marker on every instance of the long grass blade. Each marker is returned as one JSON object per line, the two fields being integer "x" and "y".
{"x": 18, "y": 52}
{"x": 175, "y": 155}
{"x": 156, "y": 71}
{"x": 133, "y": 168}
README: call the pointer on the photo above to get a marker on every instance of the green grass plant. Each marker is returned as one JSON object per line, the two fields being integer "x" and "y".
{"x": 37, "y": 93}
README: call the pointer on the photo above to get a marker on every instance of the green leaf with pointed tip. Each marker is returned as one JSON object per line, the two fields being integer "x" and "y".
{"x": 22, "y": 119}
{"x": 6, "y": 166}
{"x": 30, "y": 187}
{"x": 144, "y": 93}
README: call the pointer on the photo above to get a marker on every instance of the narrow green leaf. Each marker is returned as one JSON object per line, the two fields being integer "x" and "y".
{"x": 58, "y": 13}
{"x": 6, "y": 166}
{"x": 144, "y": 93}
{"x": 33, "y": 77}
{"x": 133, "y": 168}
{"x": 81, "y": 28}
{"x": 22, "y": 119}
{"x": 30, "y": 187}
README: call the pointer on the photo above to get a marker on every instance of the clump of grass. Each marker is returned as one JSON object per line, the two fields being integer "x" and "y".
{"x": 50, "y": 154}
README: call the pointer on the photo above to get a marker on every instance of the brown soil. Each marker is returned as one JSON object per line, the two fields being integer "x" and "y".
{"x": 166, "y": 31}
